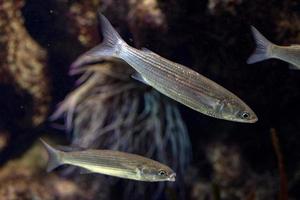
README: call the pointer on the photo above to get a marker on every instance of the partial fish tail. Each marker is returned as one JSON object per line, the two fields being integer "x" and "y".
{"x": 110, "y": 46}
{"x": 54, "y": 156}
{"x": 263, "y": 46}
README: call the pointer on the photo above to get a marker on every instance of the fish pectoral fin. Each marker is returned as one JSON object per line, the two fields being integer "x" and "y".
{"x": 139, "y": 77}
{"x": 85, "y": 171}
{"x": 139, "y": 170}
{"x": 293, "y": 67}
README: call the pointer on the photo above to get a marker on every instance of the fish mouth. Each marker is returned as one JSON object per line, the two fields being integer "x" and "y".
{"x": 172, "y": 177}
{"x": 253, "y": 120}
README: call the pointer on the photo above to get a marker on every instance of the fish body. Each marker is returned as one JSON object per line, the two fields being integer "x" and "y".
{"x": 266, "y": 50}
{"x": 171, "y": 79}
{"x": 113, "y": 163}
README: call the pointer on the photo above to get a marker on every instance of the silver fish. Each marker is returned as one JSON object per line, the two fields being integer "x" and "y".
{"x": 113, "y": 163}
{"x": 171, "y": 79}
{"x": 266, "y": 50}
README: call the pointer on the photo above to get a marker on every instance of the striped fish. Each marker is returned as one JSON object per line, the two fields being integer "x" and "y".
{"x": 171, "y": 79}
{"x": 266, "y": 50}
{"x": 113, "y": 163}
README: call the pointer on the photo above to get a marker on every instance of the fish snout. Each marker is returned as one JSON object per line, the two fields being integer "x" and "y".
{"x": 172, "y": 177}
{"x": 253, "y": 119}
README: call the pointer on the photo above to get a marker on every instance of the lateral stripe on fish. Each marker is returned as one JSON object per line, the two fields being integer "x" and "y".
{"x": 114, "y": 163}
{"x": 177, "y": 79}
{"x": 171, "y": 79}
{"x": 266, "y": 50}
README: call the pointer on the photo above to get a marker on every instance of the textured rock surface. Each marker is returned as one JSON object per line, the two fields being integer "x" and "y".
{"x": 230, "y": 160}
{"x": 23, "y": 60}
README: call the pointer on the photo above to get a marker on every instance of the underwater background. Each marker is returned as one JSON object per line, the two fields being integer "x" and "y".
{"x": 106, "y": 109}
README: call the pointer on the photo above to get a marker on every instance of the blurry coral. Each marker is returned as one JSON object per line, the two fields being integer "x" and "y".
{"x": 140, "y": 15}
{"x": 3, "y": 139}
{"x": 23, "y": 60}
{"x": 146, "y": 12}
{"x": 83, "y": 16}
{"x": 143, "y": 15}
{"x": 287, "y": 28}
{"x": 109, "y": 110}
{"x": 25, "y": 178}
{"x": 215, "y": 6}
{"x": 232, "y": 177}
{"x": 24, "y": 83}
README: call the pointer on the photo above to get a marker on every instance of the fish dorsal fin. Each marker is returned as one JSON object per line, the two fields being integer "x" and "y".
{"x": 139, "y": 77}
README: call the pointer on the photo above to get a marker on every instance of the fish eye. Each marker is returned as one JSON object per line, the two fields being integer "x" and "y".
{"x": 162, "y": 173}
{"x": 245, "y": 115}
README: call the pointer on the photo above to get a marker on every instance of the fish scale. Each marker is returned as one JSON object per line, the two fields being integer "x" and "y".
{"x": 192, "y": 82}
{"x": 266, "y": 50}
{"x": 169, "y": 78}
{"x": 113, "y": 163}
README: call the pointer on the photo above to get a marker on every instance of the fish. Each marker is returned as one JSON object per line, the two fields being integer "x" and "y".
{"x": 174, "y": 80}
{"x": 266, "y": 50}
{"x": 108, "y": 162}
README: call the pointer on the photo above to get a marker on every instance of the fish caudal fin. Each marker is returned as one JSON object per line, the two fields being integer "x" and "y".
{"x": 111, "y": 44}
{"x": 54, "y": 156}
{"x": 263, "y": 45}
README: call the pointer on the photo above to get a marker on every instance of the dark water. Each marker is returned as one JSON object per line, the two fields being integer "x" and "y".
{"x": 230, "y": 160}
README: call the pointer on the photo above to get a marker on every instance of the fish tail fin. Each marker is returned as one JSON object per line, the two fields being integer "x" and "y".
{"x": 262, "y": 51}
{"x": 54, "y": 157}
{"x": 109, "y": 47}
